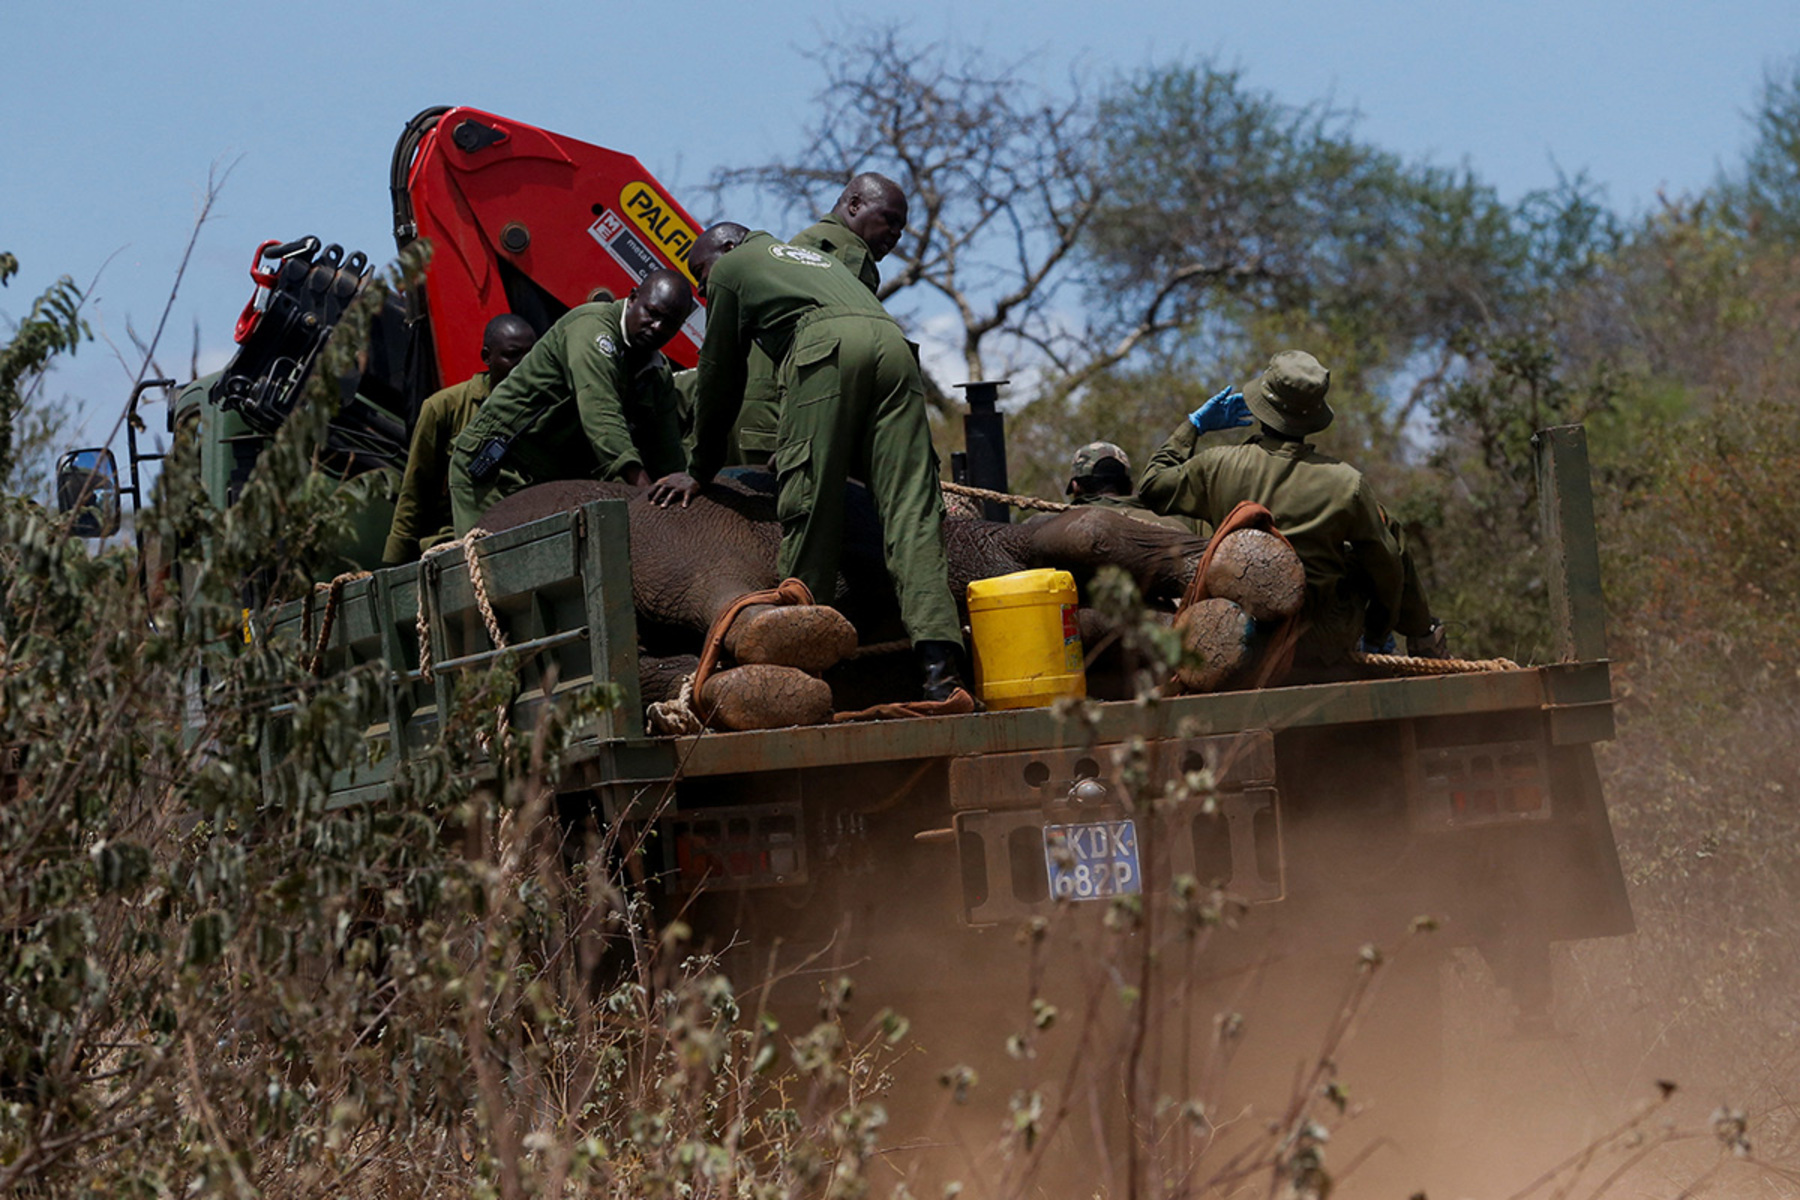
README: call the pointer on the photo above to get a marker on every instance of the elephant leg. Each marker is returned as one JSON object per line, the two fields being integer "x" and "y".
{"x": 659, "y": 678}
{"x": 1259, "y": 571}
{"x": 1161, "y": 560}
{"x": 762, "y": 696}
{"x": 812, "y": 637}
{"x": 1218, "y": 642}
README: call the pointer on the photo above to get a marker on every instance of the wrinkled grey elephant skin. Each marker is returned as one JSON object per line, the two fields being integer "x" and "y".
{"x": 689, "y": 564}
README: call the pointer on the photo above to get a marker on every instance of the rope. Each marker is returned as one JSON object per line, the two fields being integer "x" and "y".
{"x": 478, "y": 581}
{"x": 1017, "y": 501}
{"x": 477, "y": 584}
{"x": 677, "y": 716}
{"x": 334, "y": 594}
{"x": 423, "y": 623}
{"x": 1401, "y": 664}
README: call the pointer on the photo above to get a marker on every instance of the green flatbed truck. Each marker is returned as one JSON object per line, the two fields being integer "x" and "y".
{"x": 1335, "y": 812}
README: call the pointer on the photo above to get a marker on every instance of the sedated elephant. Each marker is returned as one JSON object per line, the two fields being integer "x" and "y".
{"x": 689, "y": 565}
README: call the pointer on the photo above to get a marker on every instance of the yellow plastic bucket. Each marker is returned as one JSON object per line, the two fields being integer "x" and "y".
{"x": 1027, "y": 644}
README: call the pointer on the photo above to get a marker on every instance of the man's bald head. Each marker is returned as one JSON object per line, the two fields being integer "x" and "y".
{"x": 712, "y": 245}
{"x": 656, "y": 308}
{"x": 874, "y": 208}
{"x": 504, "y": 342}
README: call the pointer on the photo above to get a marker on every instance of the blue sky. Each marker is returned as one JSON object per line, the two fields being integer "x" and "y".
{"x": 116, "y": 112}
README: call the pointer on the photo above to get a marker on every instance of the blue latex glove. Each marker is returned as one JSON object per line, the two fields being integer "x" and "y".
{"x": 1226, "y": 410}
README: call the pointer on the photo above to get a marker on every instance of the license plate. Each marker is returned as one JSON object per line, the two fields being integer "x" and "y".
{"x": 1092, "y": 860}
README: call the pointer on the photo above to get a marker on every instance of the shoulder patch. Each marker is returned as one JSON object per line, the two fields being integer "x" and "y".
{"x": 798, "y": 254}
{"x": 606, "y": 344}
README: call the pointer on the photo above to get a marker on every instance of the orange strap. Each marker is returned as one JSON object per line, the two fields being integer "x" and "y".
{"x": 787, "y": 592}
{"x": 1273, "y": 665}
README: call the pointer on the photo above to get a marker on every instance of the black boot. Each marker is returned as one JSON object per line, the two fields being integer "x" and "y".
{"x": 940, "y": 668}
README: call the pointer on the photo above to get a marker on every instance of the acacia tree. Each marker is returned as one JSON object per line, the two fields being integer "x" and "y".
{"x": 1065, "y": 234}
{"x": 1180, "y": 207}
{"x": 996, "y": 171}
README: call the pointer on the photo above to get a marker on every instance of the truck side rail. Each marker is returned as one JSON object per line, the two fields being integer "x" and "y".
{"x": 560, "y": 591}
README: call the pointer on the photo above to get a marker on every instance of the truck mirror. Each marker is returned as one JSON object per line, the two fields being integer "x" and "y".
{"x": 87, "y": 484}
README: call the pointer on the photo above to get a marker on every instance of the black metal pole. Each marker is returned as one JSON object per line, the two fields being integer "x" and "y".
{"x": 984, "y": 432}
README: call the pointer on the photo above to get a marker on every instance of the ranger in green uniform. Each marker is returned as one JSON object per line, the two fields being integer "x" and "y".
{"x": 859, "y": 232}
{"x": 422, "y": 513}
{"x": 595, "y": 399}
{"x": 1355, "y": 572}
{"x": 853, "y": 404}
{"x": 1100, "y": 477}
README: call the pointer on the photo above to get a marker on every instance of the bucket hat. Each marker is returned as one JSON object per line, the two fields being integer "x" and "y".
{"x": 1289, "y": 396}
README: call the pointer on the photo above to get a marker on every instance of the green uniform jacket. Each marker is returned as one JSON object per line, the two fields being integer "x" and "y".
{"x": 1321, "y": 505}
{"x": 837, "y": 239}
{"x": 582, "y": 405}
{"x": 755, "y": 431}
{"x": 755, "y": 296}
{"x": 1131, "y": 506}
{"x": 422, "y": 514}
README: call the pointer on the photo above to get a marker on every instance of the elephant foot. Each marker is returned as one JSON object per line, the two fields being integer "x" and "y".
{"x": 812, "y": 637}
{"x": 762, "y": 696}
{"x": 1260, "y": 572}
{"x": 1217, "y": 642}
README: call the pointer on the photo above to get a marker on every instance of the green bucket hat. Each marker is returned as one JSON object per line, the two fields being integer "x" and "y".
{"x": 1289, "y": 396}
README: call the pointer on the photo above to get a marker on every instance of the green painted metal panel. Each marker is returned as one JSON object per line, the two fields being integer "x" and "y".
{"x": 611, "y": 619}
{"x": 1571, "y": 543}
{"x": 400, "y": 695}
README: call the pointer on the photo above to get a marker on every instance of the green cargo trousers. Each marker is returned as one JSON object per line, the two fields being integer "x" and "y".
{"x": 853, "y": 405}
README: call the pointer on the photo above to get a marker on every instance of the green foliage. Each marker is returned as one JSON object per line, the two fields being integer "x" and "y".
{"x": 1763, "y": 197}
{"x": 215, "y": 985}
{"x": 53, "y": 326}
{"x": 1224, "y": 189}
